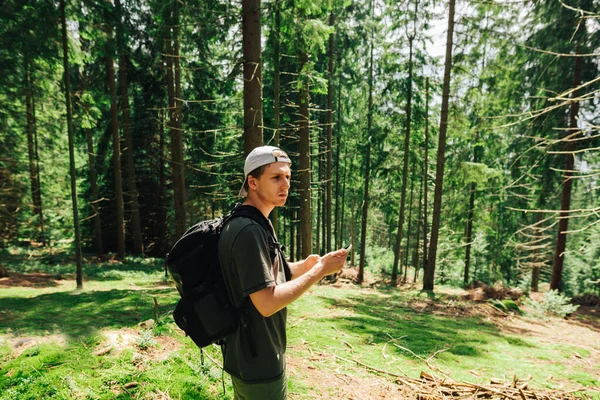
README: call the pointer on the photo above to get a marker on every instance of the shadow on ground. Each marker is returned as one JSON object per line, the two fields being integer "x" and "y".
{"x": 80, "y": 314}
{"x": 385, "y": 316}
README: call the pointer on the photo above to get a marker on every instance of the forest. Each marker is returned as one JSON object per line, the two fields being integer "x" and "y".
{"x": 449, "y": 142}
{"x": 454, "y": 144}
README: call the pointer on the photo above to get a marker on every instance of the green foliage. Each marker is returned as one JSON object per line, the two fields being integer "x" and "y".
{"x": 115, "y": 357}
{"x": 146, "y": 340}
{"x": 506, "y": 305}
{"x": 553, "y": 303}
{"x": 499, "y": 145}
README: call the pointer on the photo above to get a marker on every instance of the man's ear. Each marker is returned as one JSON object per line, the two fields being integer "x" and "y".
{"x": 252, "y": 182}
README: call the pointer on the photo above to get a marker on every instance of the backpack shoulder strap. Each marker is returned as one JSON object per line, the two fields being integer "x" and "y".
{"x": 254, "y": 214}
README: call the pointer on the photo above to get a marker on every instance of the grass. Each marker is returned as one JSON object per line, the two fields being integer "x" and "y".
{"x": 57, "y": 342}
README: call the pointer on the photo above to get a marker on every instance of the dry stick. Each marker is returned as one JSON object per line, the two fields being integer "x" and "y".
{"x": 402, "y": 379}
{"x": 433, "y": 368}
{"x": 210, "y": 358}
{"x": 388, "y": 342}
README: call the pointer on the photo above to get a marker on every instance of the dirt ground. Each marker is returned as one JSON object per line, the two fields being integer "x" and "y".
{"x": 584, "y": 325}
{"x": 349, "y": 380}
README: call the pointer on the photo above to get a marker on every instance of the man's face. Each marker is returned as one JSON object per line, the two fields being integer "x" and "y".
{"x": 273, "y": 185}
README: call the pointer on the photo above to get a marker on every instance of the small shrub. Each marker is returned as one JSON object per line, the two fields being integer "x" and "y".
{"x": 146, "y": 339}
{"x": 506, "y": 306}
{"x": 553, "y": 303}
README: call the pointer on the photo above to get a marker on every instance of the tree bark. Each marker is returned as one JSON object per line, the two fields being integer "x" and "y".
{"x": 337, "y": 231}
{"x": 343, "y": 201}
{"x": 328, "y": 198}
{"x": 276, "y": 94}
{"x": 34, "y": 169}
{"x": 416, "y": 252}
{"x": 428, "y": 278}
{"x": 410, "y": 208}
{"x": 95, "y": 198}
{"x": 565, "y": 201}
{"x": 72, "y": 172}
{"x": 176, "y": 133}
{"x": 130, "y": 178}
{"x": 425, "y": 172}
{"x": 473, "y": 188}
{"x": 365, "y": 204}
{"x": 304, "y": 166}
{"x": 114, "y": 126}
{"x": 398, "y": 249}
{"x": 251, "y": 48}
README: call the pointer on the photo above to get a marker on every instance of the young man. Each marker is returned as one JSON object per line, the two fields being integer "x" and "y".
{"x": 253, "y": 268}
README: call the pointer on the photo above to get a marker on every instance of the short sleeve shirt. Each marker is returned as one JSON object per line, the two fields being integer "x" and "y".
{"x": 247, "y": 264}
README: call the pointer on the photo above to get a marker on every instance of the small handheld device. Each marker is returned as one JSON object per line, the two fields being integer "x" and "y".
{"x": 348, "y": 248}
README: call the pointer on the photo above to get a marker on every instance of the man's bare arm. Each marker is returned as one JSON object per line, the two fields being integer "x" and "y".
{"x": 301, "y": 267}
{"x": 270, "y": 300}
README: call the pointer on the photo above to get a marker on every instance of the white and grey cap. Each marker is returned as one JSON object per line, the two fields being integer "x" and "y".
{"x": 260, "y": 156}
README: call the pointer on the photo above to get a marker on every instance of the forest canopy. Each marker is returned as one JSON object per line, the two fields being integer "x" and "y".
{"x": 123, "y": 122}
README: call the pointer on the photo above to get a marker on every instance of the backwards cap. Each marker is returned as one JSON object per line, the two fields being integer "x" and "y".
{"x": 260, "y": 156}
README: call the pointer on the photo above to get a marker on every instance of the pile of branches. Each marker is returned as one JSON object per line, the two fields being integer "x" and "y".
{"x": 429, "y": 387}
{"x": 479, "y": 291}
{"x": 587, "y": 300}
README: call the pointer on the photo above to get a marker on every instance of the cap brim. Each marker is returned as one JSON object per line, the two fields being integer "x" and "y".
{"x": 243, "y": 192}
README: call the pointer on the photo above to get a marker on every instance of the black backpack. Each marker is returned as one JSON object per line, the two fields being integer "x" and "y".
{"x": 205, "y": 311}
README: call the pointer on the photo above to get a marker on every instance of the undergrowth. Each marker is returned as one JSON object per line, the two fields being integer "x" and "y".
{"x": 57, "y": 342}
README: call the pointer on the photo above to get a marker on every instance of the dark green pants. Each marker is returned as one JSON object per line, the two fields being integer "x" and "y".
{"x": 276, "y": 390}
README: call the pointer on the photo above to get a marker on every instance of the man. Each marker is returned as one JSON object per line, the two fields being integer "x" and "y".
{"x": 254, "y": 355}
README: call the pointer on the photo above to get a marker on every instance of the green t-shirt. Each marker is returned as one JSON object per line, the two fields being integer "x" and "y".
{"x": 245, "y": 260}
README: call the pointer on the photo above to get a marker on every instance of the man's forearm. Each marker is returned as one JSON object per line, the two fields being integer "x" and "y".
{"x": 270, "y": 300}
{"x": 298, "y": 268}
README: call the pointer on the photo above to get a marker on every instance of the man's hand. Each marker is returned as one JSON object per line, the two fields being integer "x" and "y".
{"x": 271, "y": 299}
{"x": 301, "y": 267}
{"x": 310, "y": 262}
{"x": 332, "y": 263}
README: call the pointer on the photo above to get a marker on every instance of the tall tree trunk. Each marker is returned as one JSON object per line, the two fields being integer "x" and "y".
{"x": 304, "y": 165}
{"x": 298, "y": 234}
{"x": 425, "y": 172}
{"x": 114, "y": 126}
{"x": 337, "y": 231}
{"x": 410, "y": 208}
{"x": 328, "y": 198}
{"x": 323, "y": 197}
{"x": 34, "y": 175}
{"x": 36, "y": 156}
{"x": 276, "y": 94}
{"x": 535, "y": 279}
{"x": 130, "y": 179}
{"x": 98, "y": 242}
{"x": 473, "y": 188}
{"x": 365, "y": 204}
{"x": 72, "y": 172}
{"x": 398, "y": 248}
{"x": 343, "y": 201}
{"x": 565, "y": 201}
{"x": 176, "y": 133}
{"x": 162, "y": 189}
{"x": 319, "y": 221}
{"x": 416, "y": 252}
{"x": 429, "y": 276}
{"x": 253, "y": 113}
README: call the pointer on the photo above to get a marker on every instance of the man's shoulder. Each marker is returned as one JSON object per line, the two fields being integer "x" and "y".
{"x": 237, "y": 225}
